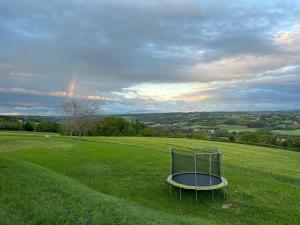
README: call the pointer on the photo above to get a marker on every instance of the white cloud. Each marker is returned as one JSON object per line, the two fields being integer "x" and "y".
{"x": 289, "y": 41}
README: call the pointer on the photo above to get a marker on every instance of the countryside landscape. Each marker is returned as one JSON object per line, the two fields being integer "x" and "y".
{"x": 149, "y": 112}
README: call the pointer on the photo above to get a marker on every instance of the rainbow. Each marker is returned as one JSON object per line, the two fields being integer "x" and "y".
{"x": 71, "y": 87}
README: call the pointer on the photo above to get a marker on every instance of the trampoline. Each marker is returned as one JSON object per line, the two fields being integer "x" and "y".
{"x": 196, "y": 169}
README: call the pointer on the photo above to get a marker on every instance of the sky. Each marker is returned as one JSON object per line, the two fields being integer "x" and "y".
{"x": 149, "y": 56}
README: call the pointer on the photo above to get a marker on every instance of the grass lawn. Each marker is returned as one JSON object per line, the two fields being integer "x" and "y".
{"x": 122, "y": 180}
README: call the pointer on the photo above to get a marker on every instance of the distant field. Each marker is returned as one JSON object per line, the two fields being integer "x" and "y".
{"x": 239, "y": 128}
{"x": 122, "y": 180}
{"x": 288, "y": 132}
{"x": 236, "y": 128}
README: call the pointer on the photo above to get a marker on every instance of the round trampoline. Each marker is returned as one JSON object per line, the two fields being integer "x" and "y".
{"x": 196, "y": 169}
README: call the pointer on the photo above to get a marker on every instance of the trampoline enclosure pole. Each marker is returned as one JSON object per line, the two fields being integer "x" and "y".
{"x": 180, "y": 193}
{"x": 171, "y": 167}
{"x": 171, "y": 161}
{"x": 220, "y": 163}
{"x": 209, "y": 169}
{"x": 195, "y": 158}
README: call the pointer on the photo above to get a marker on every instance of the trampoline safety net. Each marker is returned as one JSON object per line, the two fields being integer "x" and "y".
{"x": 200, "y": 166}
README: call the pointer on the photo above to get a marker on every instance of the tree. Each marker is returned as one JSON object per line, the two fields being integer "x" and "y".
{"x": 117, "y": 126}
{"x": 256, "y": 124}
{"x": 249, "y": 137}
{"x": 80, "y": 115}
{"x": 231, "y": 122}
{"x": 28, "y": 126}
{"x": 47, "y": 126}
{"x": 147, "y": 132}
{"x": 231, "y": 138}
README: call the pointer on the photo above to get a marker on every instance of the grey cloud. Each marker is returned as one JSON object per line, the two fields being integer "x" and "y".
{"x": 112, "y": 45}
{"x": 108, "y": 38}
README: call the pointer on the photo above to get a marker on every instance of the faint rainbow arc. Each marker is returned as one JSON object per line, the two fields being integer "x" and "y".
{"x": 71, "y": 87}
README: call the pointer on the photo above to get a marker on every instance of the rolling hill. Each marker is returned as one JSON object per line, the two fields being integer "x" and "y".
{"x": 122, "y": 180}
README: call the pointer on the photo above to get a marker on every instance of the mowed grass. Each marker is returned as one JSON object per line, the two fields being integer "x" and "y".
{"x": 109, "y": 180}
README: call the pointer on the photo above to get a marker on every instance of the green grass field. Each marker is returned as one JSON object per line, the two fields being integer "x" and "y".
{"x": 110, "y": 180}
{"x": 288, "y": 132}
{"x": 239, "y": 128}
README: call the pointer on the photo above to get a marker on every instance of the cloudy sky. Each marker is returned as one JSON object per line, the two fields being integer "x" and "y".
{"x": 149, "y": 56}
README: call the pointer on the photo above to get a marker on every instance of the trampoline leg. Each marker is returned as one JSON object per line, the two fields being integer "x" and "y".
{"x": 170, "y": 188}
{"x": 196, "y": 196}
{"x": 180, "y": 193}
{"x": 224, "y": 193}
{"x": 212, "y": 194}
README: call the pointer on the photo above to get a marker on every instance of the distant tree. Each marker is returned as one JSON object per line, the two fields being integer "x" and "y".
{"x": 130, "y": 130}
{"x": 80, "y": 115}
{"x": 256, "y": 124}
{"x": 249, "y": 137}
{"x": 201, "y": 135}
{"x": 28, "y": 126}
{"x": 47, "y": 126}
{"x": 147, "y": 132}
{"x": 231, "y": 122}
{"x": 231, "y": 138}
{"x": 138, "y": 127}
{"x": 9, "y": 125}
{"x": 117, "y": 126}
{"x": 114, "y": 126}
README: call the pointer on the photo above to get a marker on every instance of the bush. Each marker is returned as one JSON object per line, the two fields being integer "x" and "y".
{"x": 48, "y": 126}
{"x": 115, "y": 126}
{"x": 256, "y": 124}
{"x": 28, "y": 126}
{"x": 249, "y": 137}
{"x": 231, "y": 122}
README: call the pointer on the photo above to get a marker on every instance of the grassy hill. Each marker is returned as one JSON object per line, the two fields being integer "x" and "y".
{"x": 103, "y": 180}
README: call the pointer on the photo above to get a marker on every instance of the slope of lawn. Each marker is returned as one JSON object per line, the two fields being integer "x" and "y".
{"x": 31, "y": 194}
{"x": 106, "y": 180}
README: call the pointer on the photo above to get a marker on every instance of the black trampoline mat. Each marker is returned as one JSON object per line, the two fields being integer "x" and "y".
{"x": 202, "y": 179}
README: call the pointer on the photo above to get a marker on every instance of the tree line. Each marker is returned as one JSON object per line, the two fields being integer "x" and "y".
{"x": 82, "y": 118}
{"x": 14, "y": 123}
